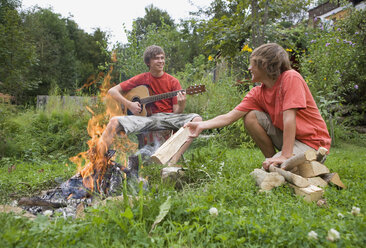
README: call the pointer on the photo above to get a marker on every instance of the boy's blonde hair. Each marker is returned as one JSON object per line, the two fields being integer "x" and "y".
{"x": 272, "y": 58}
{"x": 151, "y": 52}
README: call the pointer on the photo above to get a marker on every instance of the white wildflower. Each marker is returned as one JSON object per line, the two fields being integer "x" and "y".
{"x": 213, "y": 211}
{"x": 355, "y": 211}
{"x": 340, "y": 215}
{"x": 333, "y": 235}
{"x": 48, "y": 213}
{"x": 312, "y": 235}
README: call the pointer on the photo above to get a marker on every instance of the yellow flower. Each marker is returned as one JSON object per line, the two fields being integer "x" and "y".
{"x": 246, "y": 48}
{"x": 288, "y": 49}
{"x": 210, "y": 58}
{"x": 310, "y": 61}
{"x": 325, "y": 78}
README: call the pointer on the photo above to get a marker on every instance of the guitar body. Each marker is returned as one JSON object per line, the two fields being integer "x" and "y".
{"x": 135, "y": 95}
{"x": 142, "y": 94}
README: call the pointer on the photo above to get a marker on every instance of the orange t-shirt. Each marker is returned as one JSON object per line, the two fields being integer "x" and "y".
{"x": 160, "y": 85}
{"x": 290, "y": 92}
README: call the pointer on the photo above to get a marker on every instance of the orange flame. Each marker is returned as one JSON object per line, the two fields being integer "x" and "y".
{"x": 95, "y": 162}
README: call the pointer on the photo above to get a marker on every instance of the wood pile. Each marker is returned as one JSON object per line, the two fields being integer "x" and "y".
{"x": 305, "y": 172}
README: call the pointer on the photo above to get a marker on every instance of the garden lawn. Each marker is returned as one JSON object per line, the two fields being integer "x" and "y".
{"x": 219, "y": 178}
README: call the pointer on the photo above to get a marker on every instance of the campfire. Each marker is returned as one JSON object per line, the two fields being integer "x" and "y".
{"x": 98, "y": 175}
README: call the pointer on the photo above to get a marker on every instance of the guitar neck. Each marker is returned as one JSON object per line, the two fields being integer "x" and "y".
{"x": 154, "y": 98}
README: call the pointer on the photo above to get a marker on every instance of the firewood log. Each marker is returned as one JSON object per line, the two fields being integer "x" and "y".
{"x": 289, "y": 164}
{"x": 167, "y": 150}
{"x": 334, "y": 179}
{"x": 310, "y": 193}
{"x": 267, "y": 180}
{"x": 312, "y": 169}
{"x": 321, "y": 154}
{"x": 290, "y": 177}
{"x": 37, "y": 201}
{"x": 317, "y": 181}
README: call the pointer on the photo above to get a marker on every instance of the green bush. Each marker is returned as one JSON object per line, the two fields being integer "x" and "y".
{"x": 56, "y": 132}
{"x": 334, "y": 67}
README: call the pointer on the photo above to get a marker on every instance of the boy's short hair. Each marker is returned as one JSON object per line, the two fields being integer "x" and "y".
{"x": 151, "y": 52}
{"x": 272, "y": 58}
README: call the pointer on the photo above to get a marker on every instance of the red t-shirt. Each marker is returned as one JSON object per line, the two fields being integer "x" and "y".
{"x": 160, "y": 85}
{"x": 290, "y": 92}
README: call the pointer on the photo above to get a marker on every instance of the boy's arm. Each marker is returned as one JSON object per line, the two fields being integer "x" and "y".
{"x": 219, "y": 121}
{"x": 181, "y": 103}
{"x": 289, "y": 133}
{"x": 116, "y": 93}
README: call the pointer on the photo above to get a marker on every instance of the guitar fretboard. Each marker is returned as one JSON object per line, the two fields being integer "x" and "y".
{"x": 155, "y": 98}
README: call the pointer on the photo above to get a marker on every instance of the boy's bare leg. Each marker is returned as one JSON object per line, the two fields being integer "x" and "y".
{"x": 259, "y": 135}
{"x": 107, "y": 137}
{"x": 184, "y": 147}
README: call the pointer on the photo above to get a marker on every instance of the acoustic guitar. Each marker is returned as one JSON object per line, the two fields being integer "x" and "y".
{"x": 141, "y": 94}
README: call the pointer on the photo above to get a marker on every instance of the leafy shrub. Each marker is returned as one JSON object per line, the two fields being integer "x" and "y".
{"x": 334, "y": 67}
{"x": 56, "y": 132}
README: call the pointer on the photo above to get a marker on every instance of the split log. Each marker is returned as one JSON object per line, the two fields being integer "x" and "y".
{"x": 267, "y": 180}
{"x": 289, "y": 164}
{"x": 334, "y": 179}
{"x": 310, "y": 193}
{"x": 295, "y": 171}
{"x": 167, "y": 150}
{"x": 317, "y": 181}
{"x": 312, "y": 169}
{"x": 290, "y": 177}
{"x": 37, "y": 201}
{"x": 321, "y": 154}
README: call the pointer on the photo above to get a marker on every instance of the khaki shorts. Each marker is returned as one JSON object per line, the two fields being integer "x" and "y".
{"x": 155, "y": 122}
{"x": 276, "y": 134}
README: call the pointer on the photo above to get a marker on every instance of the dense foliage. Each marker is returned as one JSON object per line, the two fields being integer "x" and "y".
{"x": 334, "y": 66}
{"x": 57, "y": 132}
{"x": 40, "y": 50}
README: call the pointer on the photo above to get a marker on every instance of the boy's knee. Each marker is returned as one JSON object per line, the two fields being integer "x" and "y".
{"x": 250, "y": 119}
{"x": 113, "y": 124}
{"x": 196, "y": 119}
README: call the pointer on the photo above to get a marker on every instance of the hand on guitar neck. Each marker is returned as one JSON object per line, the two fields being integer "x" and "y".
{"x": 140, "y": 97}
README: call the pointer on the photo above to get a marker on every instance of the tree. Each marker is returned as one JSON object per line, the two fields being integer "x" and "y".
{"x": 17, "y": 54}
{"x": 154, "y": 16}
{"x": 232, "y": 24}
{"x": 67, "y": 56}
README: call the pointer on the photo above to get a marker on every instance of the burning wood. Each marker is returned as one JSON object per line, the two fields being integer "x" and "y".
{"x": 72, "y": 196}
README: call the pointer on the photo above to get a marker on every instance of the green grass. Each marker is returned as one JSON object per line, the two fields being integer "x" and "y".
{"x": 218, "y": 177}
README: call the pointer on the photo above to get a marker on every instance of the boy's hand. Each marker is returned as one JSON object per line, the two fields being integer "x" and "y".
{"x": 194, "y": 128}
{"x": 273, "y": 161}
{"x": 135, "y": 108}
{"x": 181, "y": 97}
